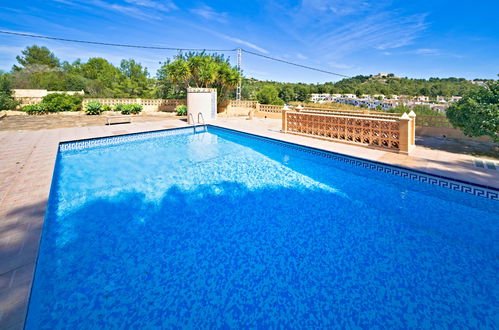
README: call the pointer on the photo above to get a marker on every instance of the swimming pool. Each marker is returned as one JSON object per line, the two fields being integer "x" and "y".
{"x": 215, "y": 228}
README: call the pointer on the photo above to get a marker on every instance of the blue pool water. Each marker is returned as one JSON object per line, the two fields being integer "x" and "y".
{"x": 224, "y": 230}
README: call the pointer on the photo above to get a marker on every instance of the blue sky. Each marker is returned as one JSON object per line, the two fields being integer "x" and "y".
{"x": 416, "y": 38}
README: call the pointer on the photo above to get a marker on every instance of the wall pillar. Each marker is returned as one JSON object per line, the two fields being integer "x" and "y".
{"x": 405, "y": 137}
{"x": 412, "y": 115}
{"x": 284, "y": 120}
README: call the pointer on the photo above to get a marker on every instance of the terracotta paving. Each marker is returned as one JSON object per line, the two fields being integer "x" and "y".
{"x": 27, "y": 162}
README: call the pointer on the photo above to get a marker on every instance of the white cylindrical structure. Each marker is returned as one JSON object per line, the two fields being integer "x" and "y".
{"x": 201, "y": 101}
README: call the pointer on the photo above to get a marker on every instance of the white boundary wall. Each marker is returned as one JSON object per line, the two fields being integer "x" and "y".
{"x": 201, "y": 100}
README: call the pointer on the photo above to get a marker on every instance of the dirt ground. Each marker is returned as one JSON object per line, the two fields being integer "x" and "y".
{"x": 16, "y": 122}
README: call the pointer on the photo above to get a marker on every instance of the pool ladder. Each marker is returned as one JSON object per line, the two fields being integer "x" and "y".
{"x": 200, "y": 121}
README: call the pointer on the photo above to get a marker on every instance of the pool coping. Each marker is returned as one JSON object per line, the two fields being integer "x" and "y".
{"x": 49, "y": 147}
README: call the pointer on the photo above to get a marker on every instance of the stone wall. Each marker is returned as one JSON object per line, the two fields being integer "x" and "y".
{"x": 35, "y": 96}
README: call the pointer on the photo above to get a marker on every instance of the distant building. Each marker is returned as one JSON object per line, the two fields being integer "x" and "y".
{"x": 478, "y": 82}
{"x": 455, "y": 98}
{"x": 319, "y": 98}
{"x": 383, "y": 75}
{"x": 422, "y": 98}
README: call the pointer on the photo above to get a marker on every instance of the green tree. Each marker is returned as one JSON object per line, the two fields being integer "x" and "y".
{"x": 36, "y": 55}
{"x": 7, "y": 102}
{"x": 268, "y": 94}
{"x": 287, "y": 94}
{"x": 477, "y": 113}
{"x": 101, "y": 78}
{"x": 165, "y": 87}
{"x": 135, "y": 80}
{"x": 302, "y": 93}
{"x": 199, "y": 70}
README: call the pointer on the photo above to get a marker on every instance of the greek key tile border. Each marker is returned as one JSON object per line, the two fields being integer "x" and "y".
{"x": 106, "y": 141}
{"x": 465, "y": 187}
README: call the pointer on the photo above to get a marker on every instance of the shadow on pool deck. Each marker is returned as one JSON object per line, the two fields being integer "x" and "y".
{"x": 262, "y": 257}
{"x": 460, "y": 146}
{"x": 21, "y": 230}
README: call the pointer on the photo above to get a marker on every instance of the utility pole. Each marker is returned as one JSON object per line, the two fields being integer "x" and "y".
{"x": 239, "y": 58}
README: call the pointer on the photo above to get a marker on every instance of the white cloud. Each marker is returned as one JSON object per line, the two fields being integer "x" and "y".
{"x": 336, "y": 7}
{"x": 427, "y": 51}
{"x": 336, "y": 29}
{"x": 235, "y": 40}
{"x": 139, "y": 9}
{"x": 157, "y": 5}
{"x": 126, "y": 10}
{"x": 209, "y": 13}
{"x": 244, "y": 43}
{"x": 339, "y": 65}
{"x": 300, "y": 56}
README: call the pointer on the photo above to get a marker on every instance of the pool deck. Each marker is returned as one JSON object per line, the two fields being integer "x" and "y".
{"x": 28, "y": 158}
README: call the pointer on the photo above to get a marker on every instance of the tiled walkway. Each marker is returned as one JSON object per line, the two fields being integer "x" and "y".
{"x": 27, "y": 161}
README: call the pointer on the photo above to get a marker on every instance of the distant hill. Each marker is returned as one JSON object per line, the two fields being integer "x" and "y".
{"x": 383, "y": 83}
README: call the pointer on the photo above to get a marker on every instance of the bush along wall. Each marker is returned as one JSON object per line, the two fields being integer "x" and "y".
{"x": 94, "y": 108}
{"x": 55, "y": 102}
{"x": 128, "y": 109}
{"x": 181, "y": 110}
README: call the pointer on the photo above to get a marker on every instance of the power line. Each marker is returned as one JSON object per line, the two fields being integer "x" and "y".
{"x": 295, "y": 64}
{"x": 112, "y": 44}
{"x": 171, "y": 48}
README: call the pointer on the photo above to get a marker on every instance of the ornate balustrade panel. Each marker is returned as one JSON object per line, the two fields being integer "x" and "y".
{"x": 271, "y": 108}
{"x": 369, "y": 131}
{"x": 348, "y": 111}
{"x": 243, "y": 104}
{"x": 341, "y": 113}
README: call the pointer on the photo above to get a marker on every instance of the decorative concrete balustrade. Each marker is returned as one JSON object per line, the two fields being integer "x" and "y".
{"x": 394, "y": 133}
{"x": 149, "y": 105}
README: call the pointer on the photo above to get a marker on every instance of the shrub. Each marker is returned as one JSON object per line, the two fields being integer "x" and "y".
{"x": 419, "y": 110}
{"x": 477, "y": 113}
{"x": 131, "y": 109}
{"x": 56, "y": 102}
{"x": 106, "y": 107}
{"x": 136, "y": 108}
{"x": 118, "y": 107}
{"x": 7, "y": 102}
{"x": 35, "y": 109}
{"x": 93, "y": 108}
{"x": 181, "y": 110}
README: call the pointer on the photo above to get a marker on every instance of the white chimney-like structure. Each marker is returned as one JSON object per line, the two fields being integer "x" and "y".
{"x": 201, "y": 101}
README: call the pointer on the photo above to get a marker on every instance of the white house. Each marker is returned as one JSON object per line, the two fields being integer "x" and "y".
{"x": 422, "y": 98}
{"x": 317, "y": 98}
